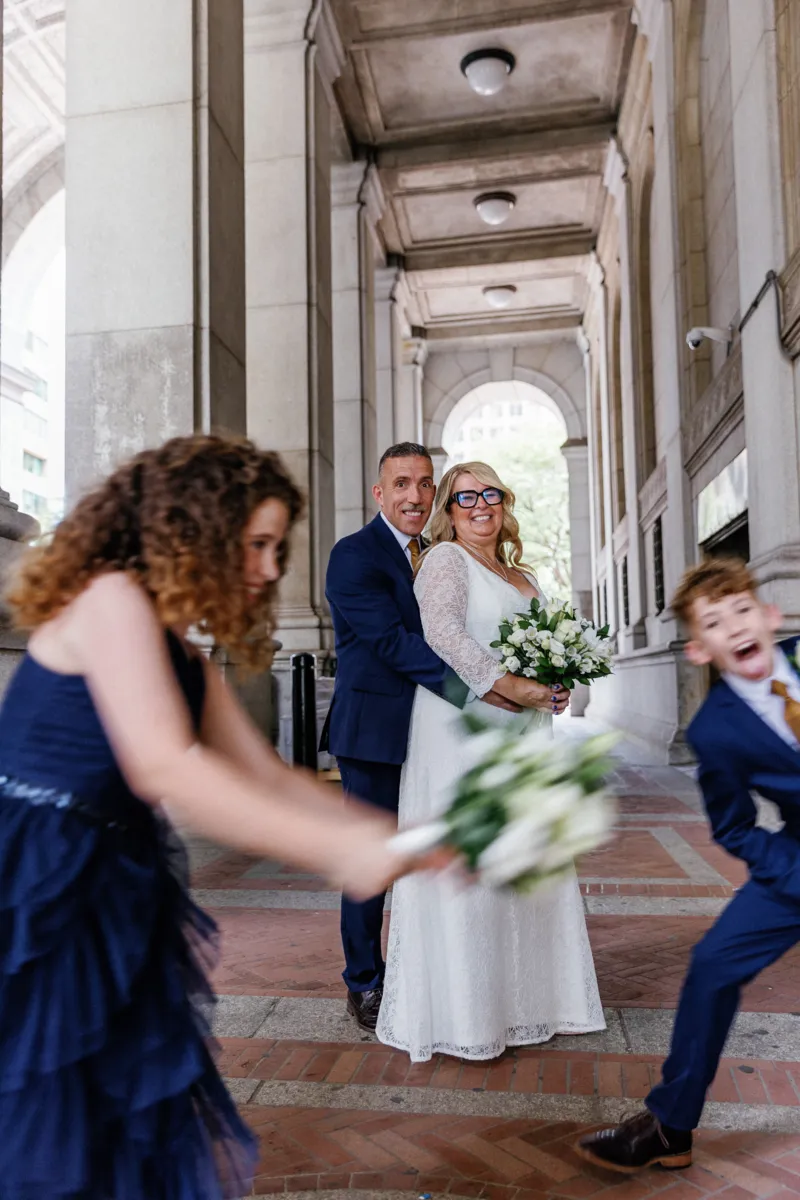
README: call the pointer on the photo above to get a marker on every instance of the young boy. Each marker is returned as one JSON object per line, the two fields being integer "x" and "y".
{"x": 746, "y": 739}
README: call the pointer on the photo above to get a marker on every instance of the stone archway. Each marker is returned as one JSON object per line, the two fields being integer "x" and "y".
{"x": 557, "y": 370}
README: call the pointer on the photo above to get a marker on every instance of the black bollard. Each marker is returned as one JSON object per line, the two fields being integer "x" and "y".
{"x": 304, "y": 711}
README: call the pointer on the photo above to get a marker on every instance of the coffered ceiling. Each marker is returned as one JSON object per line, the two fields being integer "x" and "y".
{"x": 438, "y": 145}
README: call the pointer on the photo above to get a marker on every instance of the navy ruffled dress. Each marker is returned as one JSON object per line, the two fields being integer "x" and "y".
{"x": 107, "y": 1086}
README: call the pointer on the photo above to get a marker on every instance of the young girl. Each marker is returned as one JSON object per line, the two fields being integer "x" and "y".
{"x": 107, "y": 1088}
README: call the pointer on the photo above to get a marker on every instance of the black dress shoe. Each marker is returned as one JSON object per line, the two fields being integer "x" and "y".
{"x": 641, "y": 1141}
{"x": 365, "y": 1006}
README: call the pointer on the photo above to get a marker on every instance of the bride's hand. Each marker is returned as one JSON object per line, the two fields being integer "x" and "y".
{"x": 368, "y": 863}
{"x": 531, "y": 694}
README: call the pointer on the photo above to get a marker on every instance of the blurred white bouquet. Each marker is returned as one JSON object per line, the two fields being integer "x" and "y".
{"x": 526, "y": 809}
{"x": 554, "y": 647}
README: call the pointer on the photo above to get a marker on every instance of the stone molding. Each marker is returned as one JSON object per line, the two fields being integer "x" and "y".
{"x": 649, "y": 16}
{"x": 576, "y": 450}
{"x": 717, "y": 412}
{"x": 415, "y": 352}
{"x": 347, "y": 180}
{"x": 372, "y": 196}
{"x": 615, "y": 176}
{"x": 621, "y": 539}
{"x": 790, "y": 322}
{"x": 271, "y": 24}
{"x": 386, "y": 281}
{"x": 653, "y": 496}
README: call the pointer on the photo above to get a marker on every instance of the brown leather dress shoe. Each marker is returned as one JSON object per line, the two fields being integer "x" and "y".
{"x": 640, "y": 1141}
{"x": 365, "y": 1006}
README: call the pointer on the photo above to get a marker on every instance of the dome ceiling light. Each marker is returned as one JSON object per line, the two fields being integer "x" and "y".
{"x": 501, "y": 296}
{"x": 487, "y": 71}
{"x": 494, "y": 208}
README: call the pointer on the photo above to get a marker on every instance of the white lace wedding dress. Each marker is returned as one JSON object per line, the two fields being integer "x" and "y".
{"x": 471, "y": 971}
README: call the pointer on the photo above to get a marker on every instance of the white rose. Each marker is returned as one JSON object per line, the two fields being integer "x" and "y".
{"x": 590, "y": 638}
{"x": 516, "y": 851}
{"x": 544, "y": 638}
{"x": 499, "y": 775}
{"x": 512, "y": 664}
{"x": 506, "y": 650}
{"x": 558, "y": 660}
{"x": 545, "y": 804}
{"x": 529, "y": 672}
{"x": 518, "y": 637}
{"x": 556, "y": 647}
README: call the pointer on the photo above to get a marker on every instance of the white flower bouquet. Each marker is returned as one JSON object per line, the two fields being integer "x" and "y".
{"x": 554, "y": 647}
{"x": 526, "y": 808}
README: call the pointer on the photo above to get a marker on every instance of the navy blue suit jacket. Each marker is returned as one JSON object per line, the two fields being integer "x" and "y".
{"x": 381, "y": 653}
{"x": 740, "y": 754}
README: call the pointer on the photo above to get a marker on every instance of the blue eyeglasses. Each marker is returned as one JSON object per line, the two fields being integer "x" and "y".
{"x": 470, "y": 499}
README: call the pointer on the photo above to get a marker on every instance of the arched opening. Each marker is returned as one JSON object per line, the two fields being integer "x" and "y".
{"x": 519, "y": 430}
{"x": 32, "y": 367}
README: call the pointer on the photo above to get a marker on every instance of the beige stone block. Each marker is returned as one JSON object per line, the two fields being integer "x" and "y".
{"x": 275, "y": 102}
{"x": 277, "y": 241}
{"x": 277, "y": 377}
{"x": 347, "y": 350}
{"x": 348, "y": 463}
{"x": 344, "y": 248}
{"x": 130, "y": 261}
{"x": 125, "y": 391}
{"x": 124, "y": 55}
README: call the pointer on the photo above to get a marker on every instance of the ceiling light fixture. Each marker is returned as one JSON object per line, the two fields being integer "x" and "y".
{"x": 487, "y": 71}
{"x": 500, "y": 297}
{"x": 494, "y": 208}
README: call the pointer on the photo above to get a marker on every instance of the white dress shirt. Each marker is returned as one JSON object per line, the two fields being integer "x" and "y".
{"x": 758, "y": 695}
{"x": 404, "y": 540}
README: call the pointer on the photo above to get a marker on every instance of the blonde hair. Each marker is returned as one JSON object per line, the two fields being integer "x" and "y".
{"x": 509, "y": 543}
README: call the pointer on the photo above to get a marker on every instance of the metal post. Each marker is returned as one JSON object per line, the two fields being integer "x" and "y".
{"x": 304, "y": 711}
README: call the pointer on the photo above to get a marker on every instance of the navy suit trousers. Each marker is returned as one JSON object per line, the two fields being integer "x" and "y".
{"x": 756, "y": 928}
{"x": 362, "y": 922}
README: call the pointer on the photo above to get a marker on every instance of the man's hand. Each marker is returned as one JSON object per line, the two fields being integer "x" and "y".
{"x": 497, "y": 701}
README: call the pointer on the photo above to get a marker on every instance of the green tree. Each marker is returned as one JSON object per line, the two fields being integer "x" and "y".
{"x": 531, "y": 463}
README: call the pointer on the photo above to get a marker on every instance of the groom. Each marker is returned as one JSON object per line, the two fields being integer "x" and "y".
{"x": 381, "y": 658}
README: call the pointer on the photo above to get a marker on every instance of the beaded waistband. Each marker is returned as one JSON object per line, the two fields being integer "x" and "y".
{"x": 39, "y": 796}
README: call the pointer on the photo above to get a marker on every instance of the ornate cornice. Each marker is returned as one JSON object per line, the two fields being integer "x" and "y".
{"x": 715, "y": 414}
{"x": 615, "y": 176}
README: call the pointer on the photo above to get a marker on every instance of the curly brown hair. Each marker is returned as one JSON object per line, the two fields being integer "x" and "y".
{"x": 173, "y": 519}
{"x": 712, "y": 579}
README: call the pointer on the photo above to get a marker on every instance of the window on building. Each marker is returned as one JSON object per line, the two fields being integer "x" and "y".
{"x": 626, "y": 605}
{"x": 476, "y": 433}
{"x": 35, "y": 505}
{"x": 35, "y": 426}
{"x": 516, "y": 410}
{"x": 33, "y": 463}
{"x": 658, "y": 567}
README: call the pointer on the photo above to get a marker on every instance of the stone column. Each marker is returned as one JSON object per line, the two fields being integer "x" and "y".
{"x": 292, "y": 55}
{"x": 576, "y": 452}
{"x": 387, "y": 355}
{"x": 619, "y": 187}
{"x": 415, "y": 355}
{"x": 358, "y": 203}
{"x": 155, "y": 329}
{"x": 15, "y": 527}
{"x": 584, "y": 345}
{"x": 597, "y": 287}
{"x": 770, "y": 402}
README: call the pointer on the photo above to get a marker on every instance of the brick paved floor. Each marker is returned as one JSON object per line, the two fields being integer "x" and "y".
{"x": 337, "y": 1113}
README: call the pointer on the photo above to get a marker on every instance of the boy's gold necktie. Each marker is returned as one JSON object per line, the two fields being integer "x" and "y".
{"x": 413, "y": 550}
{"x": 791, "y": 708}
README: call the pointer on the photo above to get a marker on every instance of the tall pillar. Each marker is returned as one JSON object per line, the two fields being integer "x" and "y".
{"x": 292, "y": 56}
{"x": 15, "y": 527}
{"x": 415, "y": 355}
{"x": 597, "y": 288}
{"x": 585, "y": 348}
{"x": 155, "y": 305}
{"x": 619, "y": 187}
{"x": 387, "y": 354}
{"x": 576, "y": 453}
{"x": 770, "y": 403}
{"x": 357, "y": 207}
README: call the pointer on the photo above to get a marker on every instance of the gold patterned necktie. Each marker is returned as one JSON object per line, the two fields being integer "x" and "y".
{"x": 413, "y": 550}
{"x": 791, "y": 708}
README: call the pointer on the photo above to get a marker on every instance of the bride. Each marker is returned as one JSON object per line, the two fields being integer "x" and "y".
{"x": 472, "y": 971}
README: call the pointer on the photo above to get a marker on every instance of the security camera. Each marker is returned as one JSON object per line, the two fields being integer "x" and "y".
{"x": 695, "y": 337}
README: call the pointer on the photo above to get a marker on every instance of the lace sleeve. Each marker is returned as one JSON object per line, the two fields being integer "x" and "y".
{"x": 442, "y": 590}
